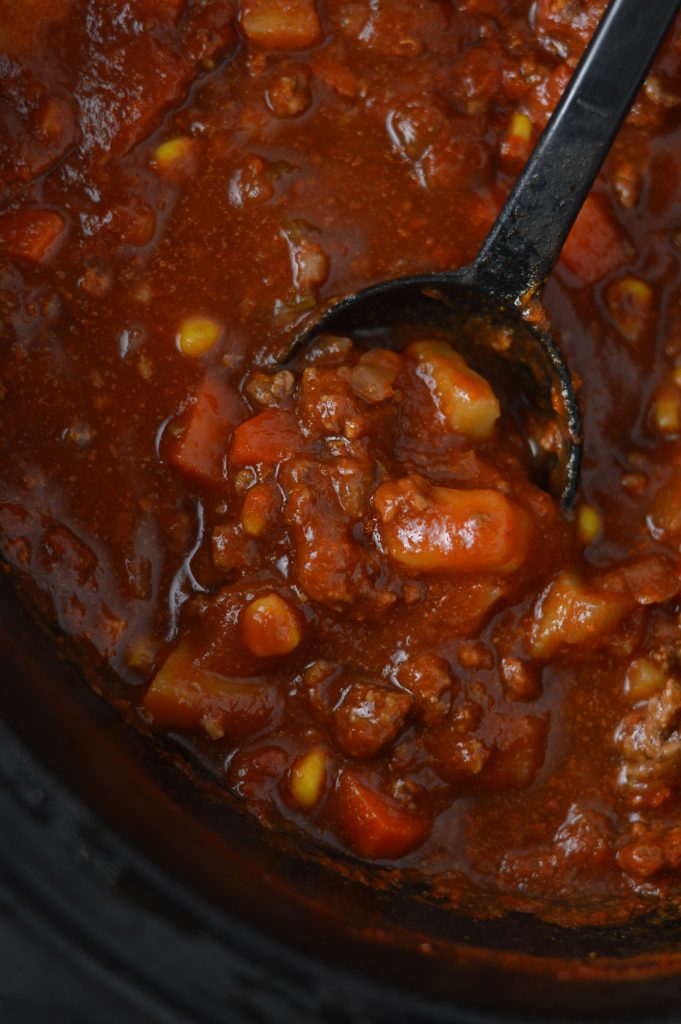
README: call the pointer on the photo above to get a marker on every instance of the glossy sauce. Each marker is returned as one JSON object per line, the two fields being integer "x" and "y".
{"x": 260, "y": 564}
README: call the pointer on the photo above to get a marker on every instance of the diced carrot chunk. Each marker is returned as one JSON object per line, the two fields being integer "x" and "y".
{"x": 280, "y": 24}
{"x": 595, "y": 246}
{"x": 270, "y": 626}
{"x": 440, "y": 528}
{"x": 270, "y": 437}
{"x": 30, "y": 235}
{"x": 373, "y": 824}
{"x": 183, "y": 696}
{"x": 201, "y": 451}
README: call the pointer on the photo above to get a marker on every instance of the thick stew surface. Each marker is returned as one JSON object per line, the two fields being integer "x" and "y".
{"x": 334, "y": 586}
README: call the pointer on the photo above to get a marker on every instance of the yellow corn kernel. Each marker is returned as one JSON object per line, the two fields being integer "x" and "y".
{"x": 308, "y": 775}
{"x": 197, "y": 335}
{"x": 255, "y": 511}
{"x": 676, "y": 375}
{"x": 172, "y": 153}
{"x": 666, "y": 412}
{"x": 643, "y": 680}
{"x": 521, "y": 127}
{"x": 630, "y": 302}
{"x": 589, "y": 524}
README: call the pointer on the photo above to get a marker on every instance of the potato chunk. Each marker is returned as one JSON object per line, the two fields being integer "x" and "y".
{"x": 464, "y": 398}
{"x": 572, "y": 614}
{"x": 184, "y": 696}
{"x": 280, "y": 24}
{"x": 438, "y": 528}
{"x": 308, "y": 778}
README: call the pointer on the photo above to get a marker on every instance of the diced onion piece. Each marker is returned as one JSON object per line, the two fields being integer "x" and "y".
{"x": 197, "y": 335}
{"x": 441, "y": 529}
{"x": 464, "y": 398}
{"x": 630, "y": 301}
{"x": 666, "y": 410}
{"x": 270, "y": 625}
{"x": 308, "y": 777}
{"x": 373, "y": 824}
{"x": 589, "y": 524}
{"x": 173, "y": 154}
{"x": 571, "y": 614}
{"x": 280, "y": 24}
{"x": 184, "y": 696}
{"x": 644, "y": 679}
{"x": 374, "y": 376}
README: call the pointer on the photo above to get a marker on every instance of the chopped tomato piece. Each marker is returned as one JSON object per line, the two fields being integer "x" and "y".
{"x": 184, "y": 696}
{"x": 373, "y": 824}
{"x": 270, "y": 437}
{"x": 595, "y": 246}
{"x": 280, "y": 24}
{"x": 201, "y": 451}
{"x": 439, "y": 528}
{"x": 30, "y": 235}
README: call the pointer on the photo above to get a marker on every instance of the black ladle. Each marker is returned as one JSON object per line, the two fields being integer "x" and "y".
{"x": 494, "y": 298}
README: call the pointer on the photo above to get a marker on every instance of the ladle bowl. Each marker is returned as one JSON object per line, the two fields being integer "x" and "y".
{"x": 491, "y": 308}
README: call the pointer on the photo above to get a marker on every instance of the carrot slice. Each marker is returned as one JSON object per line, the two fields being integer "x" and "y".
{"x": 201, "y": 450}
{"x": 270, "y": 437}
{"x": 373, "y": 824}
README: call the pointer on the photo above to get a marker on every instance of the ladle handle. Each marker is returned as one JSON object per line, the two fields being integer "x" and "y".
{"x": 525, "y": 242}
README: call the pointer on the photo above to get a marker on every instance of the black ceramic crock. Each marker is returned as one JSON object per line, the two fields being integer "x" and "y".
{"x": 186, "y": 911}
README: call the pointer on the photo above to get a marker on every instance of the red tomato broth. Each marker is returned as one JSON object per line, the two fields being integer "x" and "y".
{"x": 470, "y": 719}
